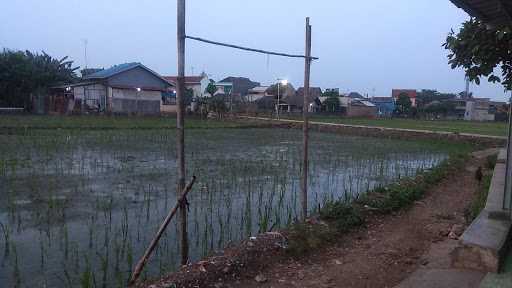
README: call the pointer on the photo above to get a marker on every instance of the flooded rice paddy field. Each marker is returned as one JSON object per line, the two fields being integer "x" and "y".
{"x": 78, "y": 208}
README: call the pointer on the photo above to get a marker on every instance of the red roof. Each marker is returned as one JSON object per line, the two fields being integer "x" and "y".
{"x": 188, "y": 79}
{"x": 410, "y": 92}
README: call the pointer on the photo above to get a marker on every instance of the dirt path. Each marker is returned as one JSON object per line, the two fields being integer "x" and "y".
{"x": 387, "y": 250}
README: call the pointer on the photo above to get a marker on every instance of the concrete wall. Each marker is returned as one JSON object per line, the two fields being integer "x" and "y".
{"x": 362, "y": 111}
{"x": 168, "y": 109}
{"x": 127, "y": 101}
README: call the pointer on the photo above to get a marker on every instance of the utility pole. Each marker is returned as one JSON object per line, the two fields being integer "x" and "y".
{"x": 180, "y": 129}
{"x": 278, "y": 98}
{"x": 305, "y": 132}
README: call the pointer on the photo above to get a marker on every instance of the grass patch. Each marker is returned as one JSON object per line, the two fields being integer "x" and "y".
{"x": 97, "y": 122}
{"x": 455, "y": 126}
{"x": 341, "y": 216}
{"x": 479, "y": 201}
{"x": 491, "y": 161}
{"x": 402, "y": 194}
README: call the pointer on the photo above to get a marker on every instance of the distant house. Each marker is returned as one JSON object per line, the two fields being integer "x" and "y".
{"x": 257, "y": 93}
{"x": 198, "y": 84}
{"x": 295, "y": 102}
{"x": 385, "y": 106}
{"x": 240, "y": 85}
{"x": 412, "y": 94}
{"x": 122, "y": 89}
{"x": 355, "y": 95}
{"x": 459, "y": 107}
{"x": 224, "y": 88}
{"x": 361, "y": 108}
{"x": 480, "y": 109}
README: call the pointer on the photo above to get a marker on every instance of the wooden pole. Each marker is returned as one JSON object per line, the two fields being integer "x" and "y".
{"x": 180, "y": 125}
{"x": 305, "y": 128}
{"x": 182, "y": 200}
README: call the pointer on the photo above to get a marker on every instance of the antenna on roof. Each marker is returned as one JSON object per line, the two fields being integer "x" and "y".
{"x": 85, "y": 42}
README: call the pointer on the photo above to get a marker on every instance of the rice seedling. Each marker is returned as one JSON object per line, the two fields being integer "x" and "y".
{"x": 101, "y": 194}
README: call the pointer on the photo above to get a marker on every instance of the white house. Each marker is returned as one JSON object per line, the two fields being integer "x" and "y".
{"x": 197, "y": 83}
{"x": 257, "y": 93}
{"x": 479, "y": 109}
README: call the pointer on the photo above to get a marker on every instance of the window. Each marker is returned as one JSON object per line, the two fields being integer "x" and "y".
{"x": 169, "y": 98}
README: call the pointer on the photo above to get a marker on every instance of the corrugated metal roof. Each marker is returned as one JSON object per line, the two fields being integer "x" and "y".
{"x": 117, "y": 69}
{"x": 113, "y": 70}
{"x": 366, "y": 103}
{"x": 495, "y": 12}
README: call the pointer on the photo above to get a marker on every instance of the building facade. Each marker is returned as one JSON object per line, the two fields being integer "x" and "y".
{"x": 122, "y": 89}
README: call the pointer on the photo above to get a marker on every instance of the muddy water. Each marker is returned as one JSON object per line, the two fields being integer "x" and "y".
{"x": 78, "y": 208}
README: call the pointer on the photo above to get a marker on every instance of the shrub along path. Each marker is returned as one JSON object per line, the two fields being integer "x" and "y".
{"x": 389, "y": 248}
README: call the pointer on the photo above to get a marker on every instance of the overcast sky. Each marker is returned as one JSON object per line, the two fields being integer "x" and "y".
{"x": 366, "y": 46}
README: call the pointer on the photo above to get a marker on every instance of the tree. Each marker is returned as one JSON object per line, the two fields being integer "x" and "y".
{"x": 403, "y": 104}
{"x": 189, "y": 96}
{"x": 479, "y": 49}
{"x": 218, "y": 105}
{"x": 464, "y": 96}
{"x": 331, "y": 93}
{"x": 211, "y": 89}
{"x": 332, "y": 104}
{"x": 23, "y": 73}
{"x": 284, "y": 90}
{"x": 443, "y": 108}
{"x": 426, "y": 96}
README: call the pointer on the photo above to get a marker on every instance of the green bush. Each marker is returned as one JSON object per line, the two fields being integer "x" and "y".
{"x": 478, "y": 203}
{"x": 342, "y": 214}
{"x": 491, "y": 161}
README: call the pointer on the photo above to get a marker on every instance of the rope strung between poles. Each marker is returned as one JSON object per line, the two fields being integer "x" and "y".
{"x": 249, "y": 49}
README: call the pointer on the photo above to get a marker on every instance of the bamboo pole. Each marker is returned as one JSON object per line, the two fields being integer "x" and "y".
{"x": 182, "y": 201}
{"x": 305, "y": 128}
{"x": 180, "y": 125}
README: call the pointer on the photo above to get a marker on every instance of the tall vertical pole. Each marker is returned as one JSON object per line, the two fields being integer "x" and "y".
{"x": 278, "y": 98}
{"x": 305, "y": 126}
{"x": 507, "y": 197}
{"x": 180, "y": 128}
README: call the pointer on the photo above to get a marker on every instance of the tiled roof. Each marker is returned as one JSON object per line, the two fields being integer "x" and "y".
{"x": 410, "y": 92}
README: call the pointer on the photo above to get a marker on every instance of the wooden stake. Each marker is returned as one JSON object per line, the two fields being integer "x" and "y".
{"x": 305, "y": 128}
{"x": 180, "y": 125}
{"x": 182, "y": 201}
